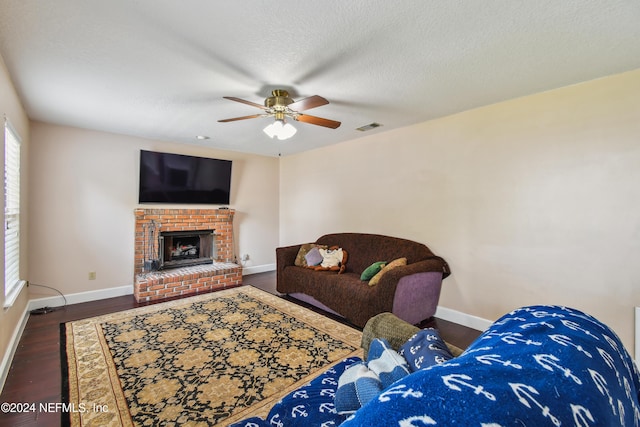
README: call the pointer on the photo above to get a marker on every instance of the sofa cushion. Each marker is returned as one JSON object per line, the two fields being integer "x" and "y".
{"x": 336, "y": 291}
{"x": 393, "y": 264}
{"x": 372, "y": 270}
{"x": 424, "y": 349}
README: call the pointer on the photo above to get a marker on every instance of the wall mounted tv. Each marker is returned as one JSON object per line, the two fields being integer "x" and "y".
{"x": 176, "y": 178}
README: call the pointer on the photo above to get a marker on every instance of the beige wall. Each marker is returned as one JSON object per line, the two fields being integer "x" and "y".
{"x": 11, "y": 108}
{"x": 533, "y": 200}
{"x": 84, "y": 189}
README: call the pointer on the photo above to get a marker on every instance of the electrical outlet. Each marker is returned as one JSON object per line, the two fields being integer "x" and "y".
{"x": 92, "y": 275}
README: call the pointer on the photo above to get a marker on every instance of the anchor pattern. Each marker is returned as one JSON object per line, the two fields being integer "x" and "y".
{"x": 536, "y": 366}
{"x": 425, "y": 348}
{"x": 310, "y": 405}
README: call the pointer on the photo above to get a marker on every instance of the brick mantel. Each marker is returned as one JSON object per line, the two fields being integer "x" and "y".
{"x": 186, "y": 281}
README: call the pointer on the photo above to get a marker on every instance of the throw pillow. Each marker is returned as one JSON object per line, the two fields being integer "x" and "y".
{"x": 393, "y": 264}
{"x": 302, "y": 252}
{"x": 372, "y": 270}
{"x": 331, "y": 257}
{"x": 313, "y": 257}
{"x": 426, "y": 348}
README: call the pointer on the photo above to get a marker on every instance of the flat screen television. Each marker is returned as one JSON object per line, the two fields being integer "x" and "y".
{"x": 176, "y": 178}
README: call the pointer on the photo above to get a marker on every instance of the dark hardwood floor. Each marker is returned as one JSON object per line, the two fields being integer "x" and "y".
{"x": 35, "y": 374}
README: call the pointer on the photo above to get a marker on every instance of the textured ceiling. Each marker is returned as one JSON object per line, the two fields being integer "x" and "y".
{"x": 159, "y": 69}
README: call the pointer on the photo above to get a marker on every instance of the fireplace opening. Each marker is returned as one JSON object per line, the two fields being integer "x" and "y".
{"x": 186, "y": 248}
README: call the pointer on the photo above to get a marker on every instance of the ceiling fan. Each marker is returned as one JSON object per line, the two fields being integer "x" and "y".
{"x": 280, "y": 105}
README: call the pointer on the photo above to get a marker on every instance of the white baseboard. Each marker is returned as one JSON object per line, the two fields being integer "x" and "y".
{"x": 12, "y": 347}
{"x": 463, "y": 319}
{"x": 246, "y": 271}
{"x": 79, "y": 297}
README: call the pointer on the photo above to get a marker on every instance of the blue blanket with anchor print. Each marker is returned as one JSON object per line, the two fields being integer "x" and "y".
{"x": 536, "y": 366}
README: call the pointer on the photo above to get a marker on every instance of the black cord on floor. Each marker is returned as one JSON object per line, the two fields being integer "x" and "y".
{"x": 45, "y": 310}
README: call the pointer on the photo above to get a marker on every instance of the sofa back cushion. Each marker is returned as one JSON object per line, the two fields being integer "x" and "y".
{"x": 365, "y": 249}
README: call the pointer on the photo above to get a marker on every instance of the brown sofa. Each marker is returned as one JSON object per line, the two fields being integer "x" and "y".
{"x": 411, "y": 292}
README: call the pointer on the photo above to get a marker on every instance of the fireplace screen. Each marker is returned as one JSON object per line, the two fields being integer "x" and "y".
{"x": 185, "y": 248}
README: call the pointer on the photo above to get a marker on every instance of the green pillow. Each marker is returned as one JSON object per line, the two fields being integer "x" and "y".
{"x": 372, "y": 270}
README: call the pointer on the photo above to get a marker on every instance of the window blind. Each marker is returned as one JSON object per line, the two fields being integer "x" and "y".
{"x": 11, "y": 212}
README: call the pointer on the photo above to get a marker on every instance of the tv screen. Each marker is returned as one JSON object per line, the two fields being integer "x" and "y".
{"x": 176, "y": 178}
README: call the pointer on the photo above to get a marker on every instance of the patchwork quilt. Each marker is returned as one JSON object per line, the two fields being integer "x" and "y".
{"x": 536, "y": 366}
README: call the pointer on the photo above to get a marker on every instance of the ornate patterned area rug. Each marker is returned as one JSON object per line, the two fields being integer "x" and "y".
{"x": 206, "y": 360}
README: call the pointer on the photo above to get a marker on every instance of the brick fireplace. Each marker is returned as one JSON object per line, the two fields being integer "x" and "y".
{"x": 151, "y": 284}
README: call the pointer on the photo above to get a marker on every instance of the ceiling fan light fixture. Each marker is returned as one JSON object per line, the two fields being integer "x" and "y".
{"x": 281, "y": 106}
{"x": 279, "y": 129}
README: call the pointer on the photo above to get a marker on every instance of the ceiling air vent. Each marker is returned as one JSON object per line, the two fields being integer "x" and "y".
{"x": 369, "y": 127}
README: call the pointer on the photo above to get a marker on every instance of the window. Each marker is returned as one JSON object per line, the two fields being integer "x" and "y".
{"x": 12, "y": 282}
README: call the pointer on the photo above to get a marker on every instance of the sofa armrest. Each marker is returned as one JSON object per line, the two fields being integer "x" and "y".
{"x": 427, "y": 265}
{"x": 389, "y": 327}
{"x": 285, "y": 256}
{"x": 386, "y": 288}
{"x": 395, "y": 330}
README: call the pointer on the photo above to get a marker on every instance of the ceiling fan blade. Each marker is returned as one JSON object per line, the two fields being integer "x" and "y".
{"x": 253, "y": 104}
{"x": 253, "y": 116}
{"x": 318, "y": 121}
{"x": 308, "y": 103}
